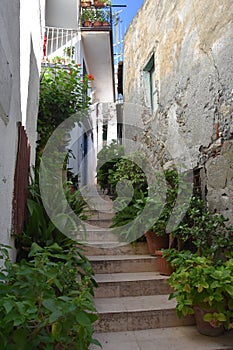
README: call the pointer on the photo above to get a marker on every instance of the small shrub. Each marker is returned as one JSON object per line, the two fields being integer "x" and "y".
{"x": 46, "y": 303}
{"x": 108, "y": 157}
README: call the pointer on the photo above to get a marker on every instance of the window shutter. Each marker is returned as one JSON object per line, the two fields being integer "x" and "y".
{"x": 21, "y": 180}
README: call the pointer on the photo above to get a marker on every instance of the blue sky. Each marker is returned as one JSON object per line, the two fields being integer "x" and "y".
{"x": 130, "y": 11}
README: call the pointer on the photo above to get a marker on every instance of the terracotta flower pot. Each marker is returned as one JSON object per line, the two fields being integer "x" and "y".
{"x": 156, "y": 242}
{"x": 87, "y": 24}
{"x": 86, "y": 3}
{"x": 164, "y": 266}
{"x": 98, "y": 24}
{"x": 204, "y": 327}
{"x": 98, "y": 3}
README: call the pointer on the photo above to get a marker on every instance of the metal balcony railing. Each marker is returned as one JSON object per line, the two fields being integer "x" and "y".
{"x": 96, "y": 18}
{"x": 59, "y": 41}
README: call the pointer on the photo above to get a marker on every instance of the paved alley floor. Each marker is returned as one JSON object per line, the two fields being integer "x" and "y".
{"x": 174, "y": 338}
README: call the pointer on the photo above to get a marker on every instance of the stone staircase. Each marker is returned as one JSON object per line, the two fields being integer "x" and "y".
{"x": 131, "y": 294}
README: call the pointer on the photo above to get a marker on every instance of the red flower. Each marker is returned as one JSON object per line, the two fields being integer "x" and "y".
{"x": 79, "y": 65}
{"x": 90, "y": 77}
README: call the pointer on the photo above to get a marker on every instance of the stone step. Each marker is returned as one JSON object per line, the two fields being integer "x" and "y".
{"x": 123, "y": 263}
{"x": 94, "y": 247}
{"x": 109, "y": 248}
{"x": 99, "y": 204}
{"x": 131, "y": 284}
{"x": 137, "y": 313}
{"x": 97, "y": 235}
{"x": 105, "y": 223}
{"x": 172, "y": 338}
{"x": 101, "y": 215}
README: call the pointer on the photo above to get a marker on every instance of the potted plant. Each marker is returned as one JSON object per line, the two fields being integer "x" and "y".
{"x": 85, "y": 3}
{"x": 157, "y": 238}
{"x": 107, "y": 18}
{"x": 163, "y": 262}
{"x": 106, "y": 22}
{"x": 98, "y": 18}
{"x": 204, "y": 287}
{"x": 87, "y": 17}
{"x": 99, "y": 3}
{"x": 200, "y": 231}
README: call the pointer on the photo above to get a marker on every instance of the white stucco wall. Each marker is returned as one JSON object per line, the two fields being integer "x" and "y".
{"x": 19, "y": 26}
{"x": 9, "y": 89}
{"x": 31, "y": 46}
{"x": 62, "y": 13}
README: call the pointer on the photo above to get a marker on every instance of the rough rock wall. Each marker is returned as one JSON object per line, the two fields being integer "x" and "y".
{"x": 219, "y": 176}
{"x": 193, "y": 58}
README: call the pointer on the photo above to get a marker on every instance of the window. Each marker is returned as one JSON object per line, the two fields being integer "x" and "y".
{"x": 150, "y": 84}
{"x": 105, "y": 132}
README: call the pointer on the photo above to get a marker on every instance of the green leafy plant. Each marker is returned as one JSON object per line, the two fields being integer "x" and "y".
{"x": 69, "y": 51}
{"x": 99, "y": 16}
{"x": 172, "y": 183}
{"x": 38, "y": 226}
{"x": 107, "y": 158}
{"x": 46, "y": 303}
{"x": 128, "y": 214}
{"x": 130, "y": 170}
{"x": 199, "y": 281}
{"x": 63, "y": 92}
{"x": 88, "y": 15}
{"x": 107, "y": 16}
{"x": 209, "y": 233}
{"x": 159, "y": 207}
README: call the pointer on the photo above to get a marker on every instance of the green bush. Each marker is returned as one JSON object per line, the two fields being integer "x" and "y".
{"x": 127, "y": 169}
{"x": 38, "y": 226}
{"x": 200, "y": 281}
{"x": 158, "y": 209}
{"x": 210, "y": 233}
{"x": 63, "y": 92}
{"x": 46, "y": 303}
{"x": 107, "y": 158}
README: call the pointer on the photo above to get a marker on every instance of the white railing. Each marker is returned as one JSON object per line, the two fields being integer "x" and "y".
{"x": 60, "y": 41}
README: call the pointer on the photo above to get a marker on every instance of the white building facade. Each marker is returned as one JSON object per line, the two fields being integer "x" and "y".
{"x": 92, "y": 48}
{"x": 20, "y": 61}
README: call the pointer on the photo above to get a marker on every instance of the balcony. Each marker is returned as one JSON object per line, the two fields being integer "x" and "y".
{"x": 60, "y": 42}
{"x": 96, "y": 36}
{"x": 95, "y": 18}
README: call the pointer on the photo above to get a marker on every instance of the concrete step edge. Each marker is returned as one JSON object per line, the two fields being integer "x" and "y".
{"x": 111, "y": 258}
{"x": 134, "y": 304}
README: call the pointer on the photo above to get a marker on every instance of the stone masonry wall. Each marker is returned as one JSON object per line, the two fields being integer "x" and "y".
{"x": 193, "y": 57}
{"x": 219, "y": 175}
